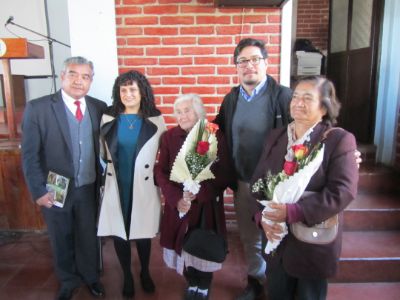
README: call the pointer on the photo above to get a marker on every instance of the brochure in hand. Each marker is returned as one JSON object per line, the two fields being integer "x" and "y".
{"x": 58, "y": 186}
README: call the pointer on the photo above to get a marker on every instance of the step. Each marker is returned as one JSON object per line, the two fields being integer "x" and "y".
{"x": 364, "y": 291}
{"x": 373, "y": 211}
{"x": 378, "y": 178}
{"x": 369, "y": 256}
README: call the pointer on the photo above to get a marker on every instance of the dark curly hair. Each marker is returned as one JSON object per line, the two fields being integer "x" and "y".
{"x": 147, "y": 103}
{"x": 327, "y": 97}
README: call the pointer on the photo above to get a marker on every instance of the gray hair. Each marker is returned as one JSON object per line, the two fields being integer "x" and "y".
{"x": 77, "y": 60}
{"x": 197, "y": 103}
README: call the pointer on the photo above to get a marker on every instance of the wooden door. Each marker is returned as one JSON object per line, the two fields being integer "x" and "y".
{"x": 352, "y": 62}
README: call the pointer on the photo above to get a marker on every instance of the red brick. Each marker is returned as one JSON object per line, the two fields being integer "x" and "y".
{"x": 130, "y": 51}
{"x": 173, "y": 1}
{"x": 232, "y": 29}
{"x": 198, "y": 90}
{"x": 274, "y": 19}
{"x": 215, "y": 40}
{"x": 212, "y": 100}
{"x": 213, "y": 80}
{"x": 179, "y": 41}
{"x": 227, "y": 70}
{"x": 165, "y": 90}
{"x": 160, "y": 51}
{"x": 223, "y": 90}
{"x": 163, "y": 71}
{"x": 168, "y": 99}
{"x": 140, "y": 61}
{"x": 197, "y": 9}
{"x": 179, "y": 80}
{"x": 154, "y": 81}
{"x": 266, "y": 29}
{"x": 211, "y": 60}
{"x": 130, "y": 10}
{"x": 127, "y": 2}
{"x": 127, "y": 69}
{"x": 166, "y": 110}
{"x": 275, "y": 39}
{"x": 176, "y": 20}
{"x": 160, "y": 9}
{"x": 176, "y": 61}
{"x": 197, "y": 30}
{"x": 144, "y": 41}
{"x": 249, "y": 19}
{"x": 129, "y": 31}
{"x": 160, "y": 31}
{"x": 121, "y": 42}
{"x": 213, "y": 19}
{"x": 225, "y": 50}
{"x": 197, "y": 70}
{"x": 197, "y": 50}
{"x": 141, "y": 21}
{"x": 273, "y": 49}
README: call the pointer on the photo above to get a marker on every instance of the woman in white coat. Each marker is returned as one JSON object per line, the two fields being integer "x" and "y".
{"x": 131, "y": 206}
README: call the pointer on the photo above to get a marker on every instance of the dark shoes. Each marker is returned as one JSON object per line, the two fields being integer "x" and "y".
{"x": 147, "y": 283}
{"x": 129, "y": 288}
{"x": 96, "y": 289}
{"x": 190, "y": 294}
{"x": 253, "y": 291}
{"x": 65, "y": 294}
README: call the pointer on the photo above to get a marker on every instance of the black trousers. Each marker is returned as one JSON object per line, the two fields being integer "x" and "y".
{"x": 198, "y": 278}
{"x": 282, "y": 286}
{"x": 73, "y": 237}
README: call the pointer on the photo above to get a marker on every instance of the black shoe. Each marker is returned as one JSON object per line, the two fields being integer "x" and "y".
{"x": 96, "y": 289}
{"x": 253, "y": 291}
{"x": 129, "y": 287}
{"x": 147, "y": 283}
{"x": 65, "y": 294}
{"x": 190, "y": 294}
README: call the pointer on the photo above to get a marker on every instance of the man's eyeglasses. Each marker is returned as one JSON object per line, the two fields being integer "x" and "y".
{"x": 242, "y": 63}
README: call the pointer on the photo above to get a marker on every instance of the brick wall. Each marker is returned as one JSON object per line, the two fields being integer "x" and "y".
{"x": 186, "y": 46}
{"x": 313, "y": 22}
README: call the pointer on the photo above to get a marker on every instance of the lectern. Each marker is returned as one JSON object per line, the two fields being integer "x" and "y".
{"x": 14, "y": 48}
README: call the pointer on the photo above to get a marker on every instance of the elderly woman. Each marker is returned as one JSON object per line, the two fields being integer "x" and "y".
{"x": 188, "y": 110}
{"x": 298, "y": 269}
{"x": 131, "y": 207}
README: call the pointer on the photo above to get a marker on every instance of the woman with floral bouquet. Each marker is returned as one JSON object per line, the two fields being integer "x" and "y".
{"x": 183, "y": 209}
{"x": 299, "y": 269}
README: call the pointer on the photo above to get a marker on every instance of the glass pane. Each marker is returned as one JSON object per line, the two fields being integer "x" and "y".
{"x": 340, "y": 10}
{"x": 361, "y": 24}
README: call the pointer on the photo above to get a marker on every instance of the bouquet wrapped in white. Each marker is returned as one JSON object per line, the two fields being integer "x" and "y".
{"x": 289, "y": 185}
{"x": 193, "y": 161}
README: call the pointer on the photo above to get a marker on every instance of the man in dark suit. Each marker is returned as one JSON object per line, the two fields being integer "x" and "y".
{"x": 61, "y": 134}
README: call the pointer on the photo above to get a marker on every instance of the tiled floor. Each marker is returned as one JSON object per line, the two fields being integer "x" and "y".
{"x": 26, "y": 271}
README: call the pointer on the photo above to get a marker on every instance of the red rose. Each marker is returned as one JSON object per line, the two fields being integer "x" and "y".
{"x": 202, "y": 147}
{"x": 289, "y": 167}
{"x": 300, "y": 151}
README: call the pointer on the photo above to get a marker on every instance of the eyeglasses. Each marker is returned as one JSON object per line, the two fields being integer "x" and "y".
{"x": 242, "y": 63}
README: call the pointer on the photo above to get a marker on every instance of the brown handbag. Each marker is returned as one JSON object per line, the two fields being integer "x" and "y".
{"x": 320, "y": 234}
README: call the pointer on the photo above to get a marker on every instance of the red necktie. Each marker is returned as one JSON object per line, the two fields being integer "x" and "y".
{"x": 78, "y": 113}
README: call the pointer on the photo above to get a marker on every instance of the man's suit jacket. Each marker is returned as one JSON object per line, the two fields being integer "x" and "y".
{"x": 46, "y": 141}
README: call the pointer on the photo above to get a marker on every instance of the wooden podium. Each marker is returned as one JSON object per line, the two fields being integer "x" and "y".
{"x": 14, "y": 48}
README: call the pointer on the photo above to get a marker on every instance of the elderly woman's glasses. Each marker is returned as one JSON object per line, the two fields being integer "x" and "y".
{"x": 242, "y": 63}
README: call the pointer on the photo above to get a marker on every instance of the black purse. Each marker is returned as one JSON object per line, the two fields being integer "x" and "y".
{"x": 206, "y": 243}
